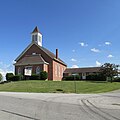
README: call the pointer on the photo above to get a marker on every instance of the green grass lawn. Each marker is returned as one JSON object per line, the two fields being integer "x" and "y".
{"x": 59, "y": 86}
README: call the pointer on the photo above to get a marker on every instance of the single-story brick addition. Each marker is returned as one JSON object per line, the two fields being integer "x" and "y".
{"x": 36, "y": 58}
{"x": 83, "y": 72}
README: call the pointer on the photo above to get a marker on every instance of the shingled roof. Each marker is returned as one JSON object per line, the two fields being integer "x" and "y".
{"x": 50, "y": 54}
{"x": 31, "y": 59}
{"x": 82, "y": 70}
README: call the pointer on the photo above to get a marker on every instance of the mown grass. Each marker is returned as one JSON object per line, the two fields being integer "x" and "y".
{"x": 59, "y": 86}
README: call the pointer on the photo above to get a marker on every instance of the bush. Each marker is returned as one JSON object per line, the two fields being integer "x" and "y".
{"x": 34, "y": 77}
{"x": 77, "y": 77}
{"x": 1, "y": 77}
{"x": 95, "y": 77}
{"x": 9, "y": 76}
{"x": 43, "y": 75}
{"x": 71, "y": 77}
{"x": 117, "y": 79}
{"x": 17, "y": 77}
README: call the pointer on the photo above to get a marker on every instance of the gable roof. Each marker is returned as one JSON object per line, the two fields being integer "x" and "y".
{"x": 50, "y": 54}
{"x": 82, "y": 70}
{"x": 31, "y": 59}
{"x": 36, "y": 30}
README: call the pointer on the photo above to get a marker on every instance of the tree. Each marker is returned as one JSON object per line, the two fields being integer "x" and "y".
{"x": 109, "y": 70}
{"x": 1, "y": 77}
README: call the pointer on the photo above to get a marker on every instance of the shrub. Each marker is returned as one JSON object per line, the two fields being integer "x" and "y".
{"x": 1, "y": 77}
{"x": 9, "y": 76}
{"x": 77, "y": 77}
{"x": 17, "y": 77}
{"x": 71, "y": 77}
{"x": 95, "y": 77}
{"x": 117, "y": 79}
{"x": 34, "y": 77}
{"x": 43, "y": 75}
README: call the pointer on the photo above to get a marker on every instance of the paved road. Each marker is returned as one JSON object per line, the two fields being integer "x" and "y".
{"x": 47, "y": 106}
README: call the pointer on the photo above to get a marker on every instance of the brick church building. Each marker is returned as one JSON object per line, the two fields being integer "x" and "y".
{"x": 36, "y": 58}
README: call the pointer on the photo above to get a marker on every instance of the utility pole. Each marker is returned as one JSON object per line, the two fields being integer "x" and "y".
{"x": 75, "y": 87}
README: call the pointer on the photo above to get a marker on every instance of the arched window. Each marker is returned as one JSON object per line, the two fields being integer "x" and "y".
{"x": 36, "y": 38}
{"x": 39, "y": 39}
{"x": 38, "y": 70}
{"x": 32, "y": 37}
{"x": 56, "y": 69}
{"x": 62, "y": 72}
{"x": 59, "y": 71}
{"x": 19, "y": 71}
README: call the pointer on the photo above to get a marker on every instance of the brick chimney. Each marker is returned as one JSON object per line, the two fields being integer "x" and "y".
{"x": 56, "y": 53}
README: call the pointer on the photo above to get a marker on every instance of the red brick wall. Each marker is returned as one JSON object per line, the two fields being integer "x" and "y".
{"x": 58, "y": 70}
{"x": 33, "y": 68}
{"x": 22, "y": 69}
{"x": 45, "y": 68}
{"x": 49, "y": 68}
{"x": 35, "y": 49}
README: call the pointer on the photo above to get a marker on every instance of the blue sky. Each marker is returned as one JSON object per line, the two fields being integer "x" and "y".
{"x": 86, "y": 32}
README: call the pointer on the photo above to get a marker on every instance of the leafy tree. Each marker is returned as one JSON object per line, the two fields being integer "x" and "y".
{"x": 109, "y": 70}
{"x": 1, "y": 77}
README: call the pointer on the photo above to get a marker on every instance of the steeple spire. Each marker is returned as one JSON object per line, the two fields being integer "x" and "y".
{"x": 36, "y": 30}
{"x": 37, "y": 36}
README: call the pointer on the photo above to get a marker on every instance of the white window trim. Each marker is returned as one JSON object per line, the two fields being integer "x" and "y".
{"x": 56, "y": 70}
{"x": 37, "y": 68}
{"x": 59, "y": 70}
{"x": 26, "y": 67}
{"x": 19, "y": 71}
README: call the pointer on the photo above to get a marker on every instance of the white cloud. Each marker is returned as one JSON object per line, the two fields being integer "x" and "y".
{"x": 91, "y": 66}
{"x": 74, "y": 60}
{"x": 98, "y": 64}
{"x": 110, "y": 56}
{"x": 73, "y": 50}
{"x": 13, "y": 62}
{"x": 3, "y": 72}
{"x": 83, "y": 44}
{"x": 99, "y": 45}
{"x": 1, "y": 63}
{"x": 6, "y": 68}
{"x": 95, "y": 50}
{"x": 74, "y": 66}
{"x": 107, "y": 43}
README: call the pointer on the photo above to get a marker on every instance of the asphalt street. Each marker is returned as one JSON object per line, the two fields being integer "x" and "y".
{"x": 50, "y": 106}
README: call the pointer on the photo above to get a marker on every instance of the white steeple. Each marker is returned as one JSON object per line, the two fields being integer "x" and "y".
{"x": 37, "y": 36}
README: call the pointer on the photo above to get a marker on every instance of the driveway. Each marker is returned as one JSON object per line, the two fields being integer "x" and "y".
{"x": 50, "y": 106}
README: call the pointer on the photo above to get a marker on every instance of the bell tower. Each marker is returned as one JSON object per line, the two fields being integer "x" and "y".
{"x": 37, "y": 36}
